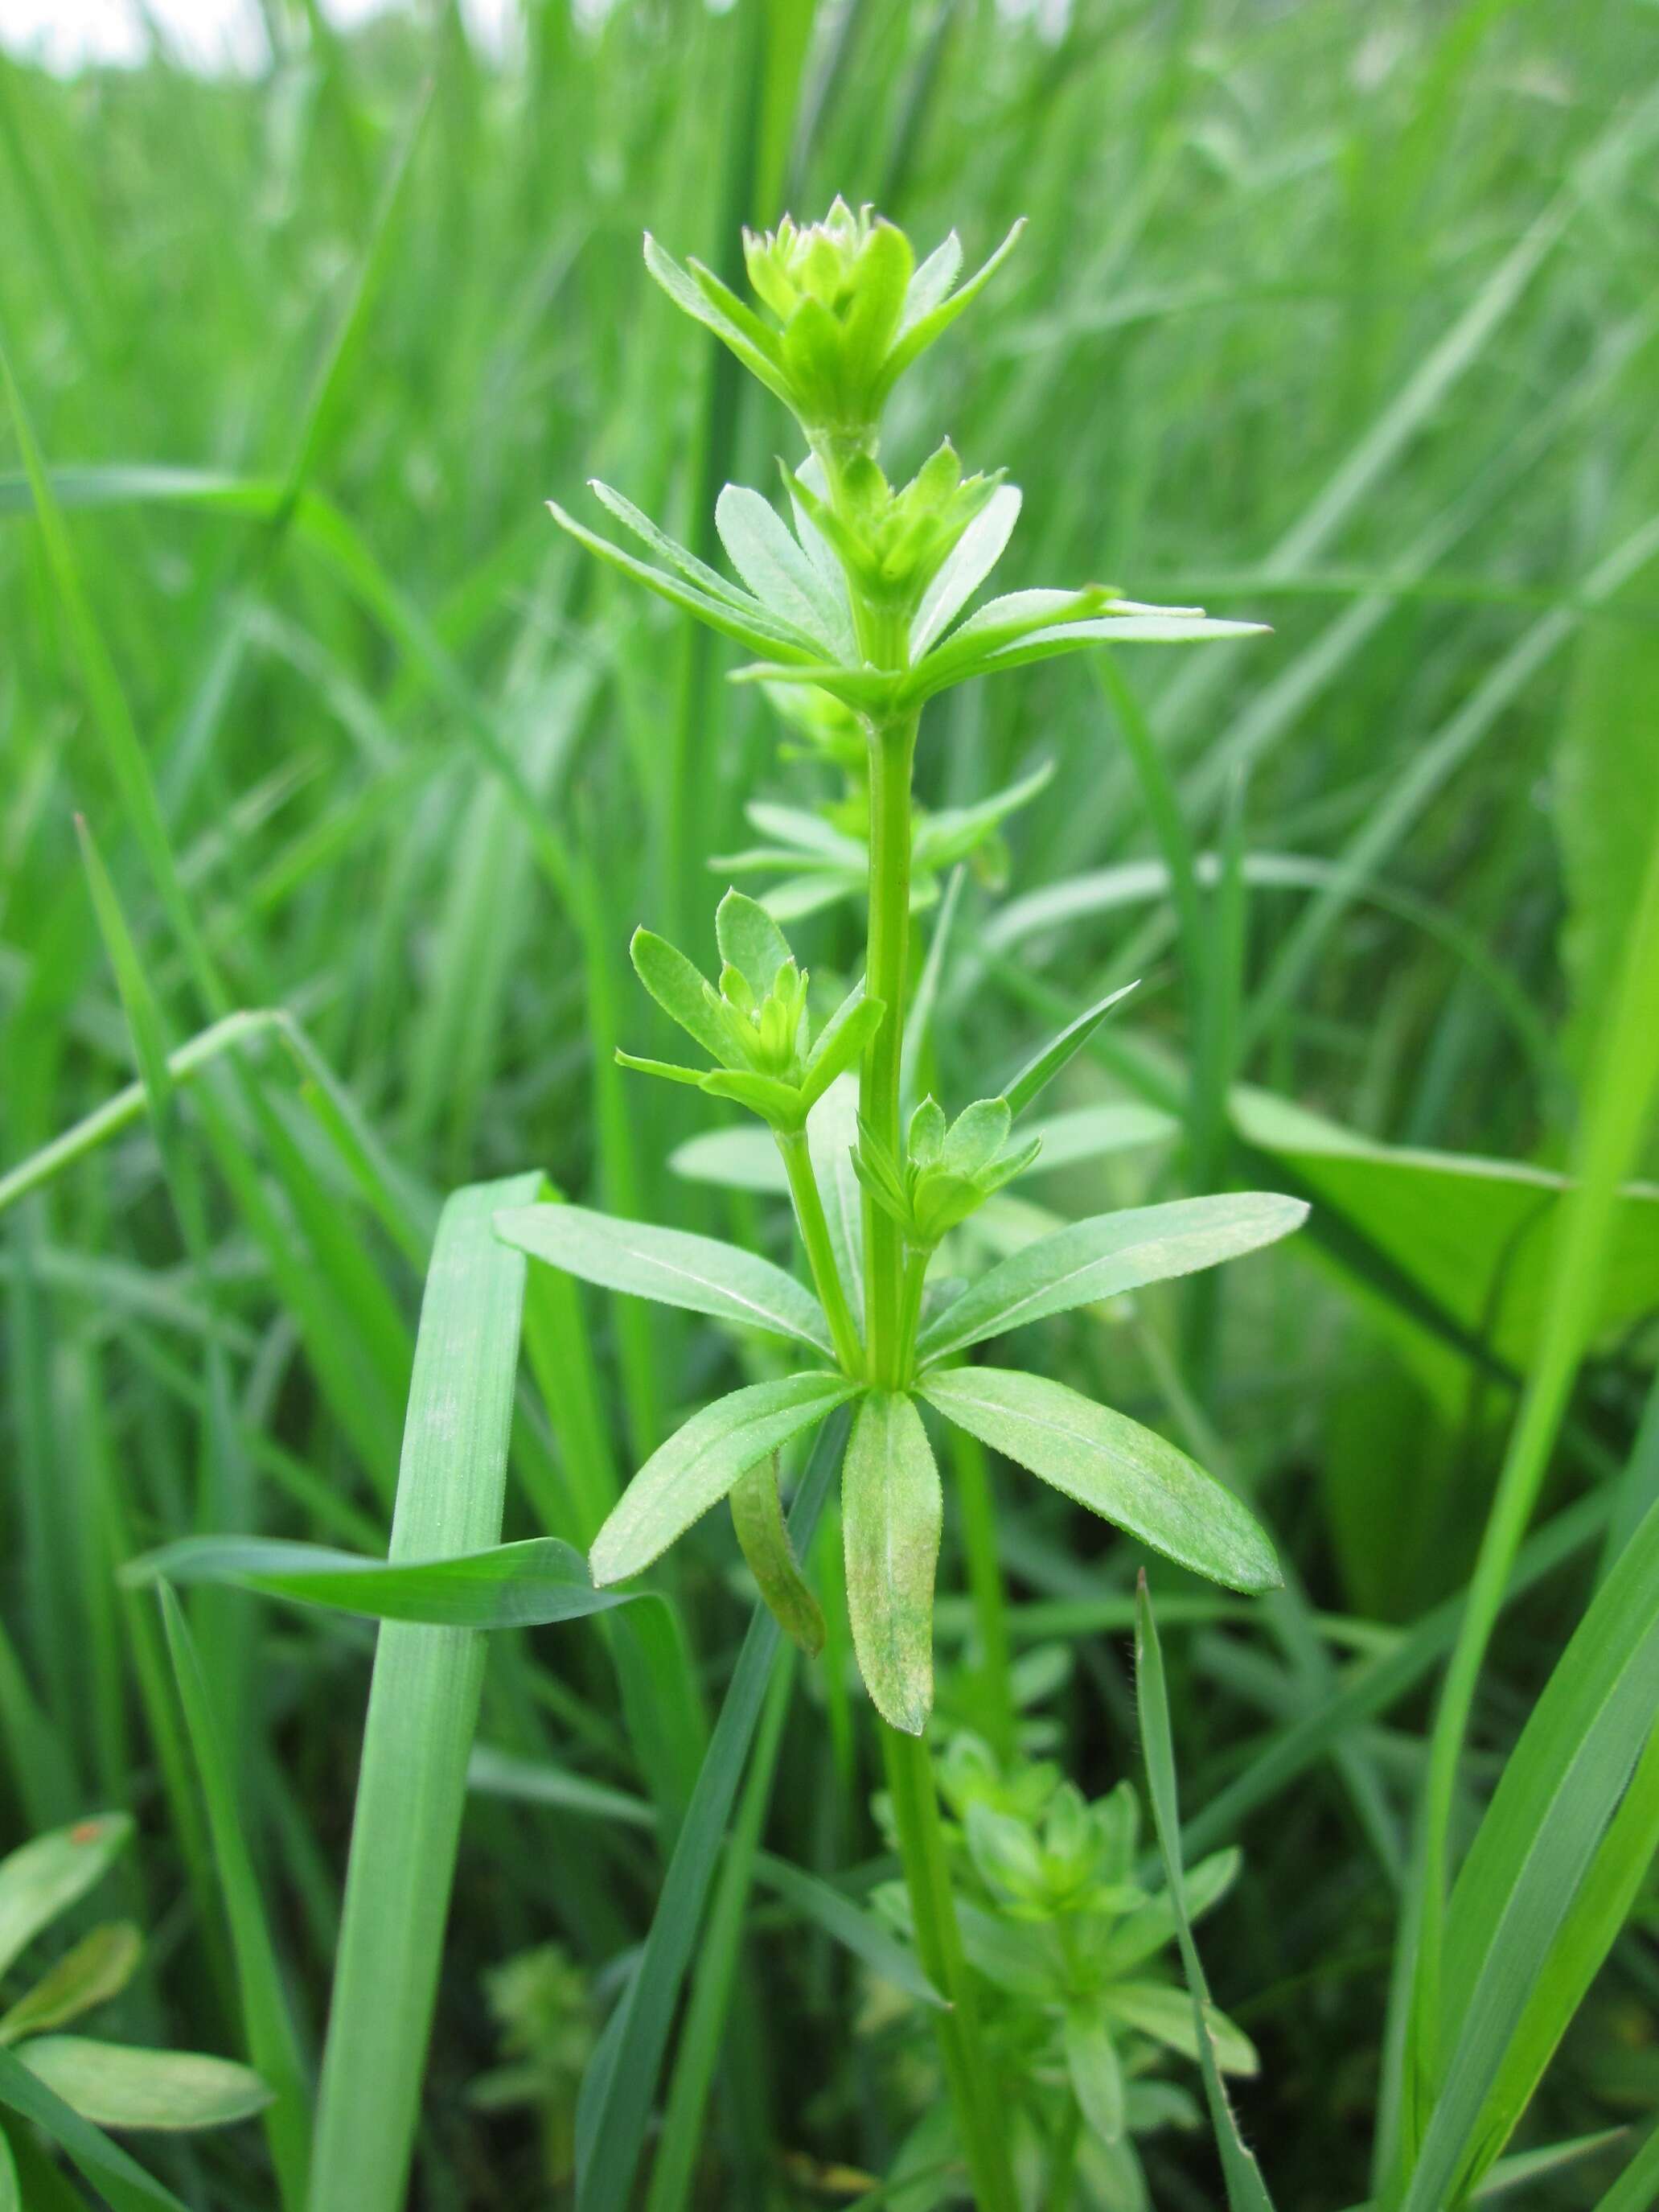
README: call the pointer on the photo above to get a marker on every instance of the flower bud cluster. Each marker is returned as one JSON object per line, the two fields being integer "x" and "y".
{"x": 949, "y": 1169}
{"x": 754, "y": 1026}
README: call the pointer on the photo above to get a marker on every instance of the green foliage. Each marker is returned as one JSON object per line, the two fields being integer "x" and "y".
{"x": 876, "y": 571}
{"x": 1347, "y": 333}
{"x": 1127, "y": 1473}
{"x": 892, "y": 1513}
{"x": 852, "y": 308}
{"x": 755, "y": 1024}
{"x": 700, "y": 1462}
{"x": 520, "y": 1585}
{"x": 423, "y": 1710}
{"x": 543, "y": 2009}
{"x": 1066, "y": 1949}
{"x": 74, "y": 2086}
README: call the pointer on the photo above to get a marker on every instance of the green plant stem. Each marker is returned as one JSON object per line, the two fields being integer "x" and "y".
{"x": 883, "y": 641}
{"x": 939, "y": 1946}
{"x": 892, "y": 748}
{"x": 820, "y": 1252}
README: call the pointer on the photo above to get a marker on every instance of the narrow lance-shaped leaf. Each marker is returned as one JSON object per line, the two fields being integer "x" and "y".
{"x": 1154, "y": 2009}
{"x": 750, "y": 625}
{"x": 971, "y": 559}
{"x": 1028, "y": 626}
{"x": 831, "y": 1133}
{"x": 46, "y": 1875}
{"x": 839, "y": 1043}
{"x": 892, "y": 1514}
{"x": 1127, "y": 1474}
{"x": 1040, "y": 1071}
{"x": 758, "y": 1517}
{"x": 860, "y": 1932}
{"x": 1005, "y": 621}
{"x": 1097, "y": 2072}
{"x": 1153, "y": 626}
{"x": 769, "y": 1096}
{"x": 747, "y": 338}
{"x": 116, "y": 2086}
{"x": 698, "y": 1464}
{"x": 750, "y": 941}
{"x": 1151, "y": 1928}
{"x": 522, "y": 1585}
{"x": 104, "y": 2163}
{"x": 670, "y": 1072}
{"x": 952, "y": 833}
{"x": 1246, "y": 2190}
{"x": 669, "y": 549}
{"x": 917, "y": 335}
{"x": 933, "y": 281}
{"x": 779, "y": 572}
{"x": 671, "y": 1266}
{"x": 793, "y": 825}
{"x": 97, "y": 1968}
{"x": 680, "y": 990}
{"x": 1106, "y": 1256}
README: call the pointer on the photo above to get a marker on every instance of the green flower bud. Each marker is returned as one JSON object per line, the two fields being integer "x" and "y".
{"x": 754, "y": 1025}
{"x": 838, "y": 289}
{"x": 948, "y": 1171}
{"x": 849, "y": 310}
{"x": 893, "y": 543}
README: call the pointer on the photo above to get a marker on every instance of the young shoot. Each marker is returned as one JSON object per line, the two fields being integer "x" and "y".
{"x": 859, "y": 598}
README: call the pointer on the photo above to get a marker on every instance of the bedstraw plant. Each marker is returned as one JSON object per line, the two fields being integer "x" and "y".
{"x": 858, "y": 596}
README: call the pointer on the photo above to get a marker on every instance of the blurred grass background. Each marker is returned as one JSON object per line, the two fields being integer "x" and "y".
{"x": 1342, "y": 317}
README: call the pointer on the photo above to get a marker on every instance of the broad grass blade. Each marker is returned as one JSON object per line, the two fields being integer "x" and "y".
{"x": 423, "y": 1710}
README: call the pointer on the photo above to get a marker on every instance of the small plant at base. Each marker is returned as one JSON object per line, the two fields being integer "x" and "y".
{"x": 862, "y": 600}
{"x": 114, "y": 2085}
{"x": 543, "y": 2007}
{"x": 1067, "y": 1952}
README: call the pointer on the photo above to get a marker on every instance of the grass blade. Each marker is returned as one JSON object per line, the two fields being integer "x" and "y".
{"x": 521, "y": 1585}
{"x": 1246, "y": 2191}
{"x": 423, "y": 1710}
{"x": 273, "y": 2045}
{"x": 617, "y": 2090}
